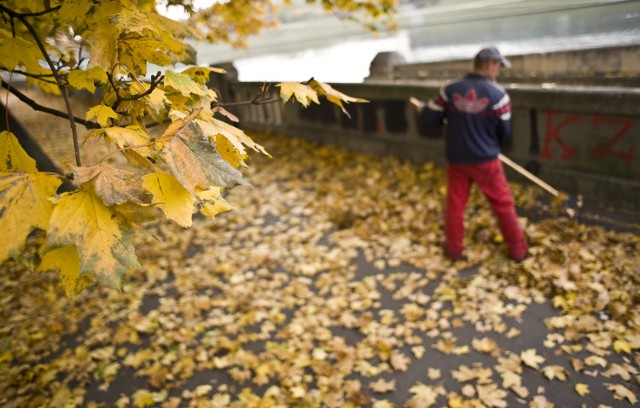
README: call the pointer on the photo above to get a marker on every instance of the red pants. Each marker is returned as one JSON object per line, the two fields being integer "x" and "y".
{"x": 493, "y": 183}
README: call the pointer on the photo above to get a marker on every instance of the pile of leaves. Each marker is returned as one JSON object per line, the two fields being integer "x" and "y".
{"x": 326, "y": 285}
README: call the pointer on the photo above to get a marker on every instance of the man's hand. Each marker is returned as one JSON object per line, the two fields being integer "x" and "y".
{"x": 417, "y": 103}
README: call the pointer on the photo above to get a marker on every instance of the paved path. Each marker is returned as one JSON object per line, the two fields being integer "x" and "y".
{"x": 327, "y": 287}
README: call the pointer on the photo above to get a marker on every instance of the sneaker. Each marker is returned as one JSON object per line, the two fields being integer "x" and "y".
{"x": 519, "y": 257}
{"x": 454, "y": 255}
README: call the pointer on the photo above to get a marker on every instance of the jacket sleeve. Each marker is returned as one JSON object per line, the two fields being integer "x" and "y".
{"x": 502, "y": 111}
{"x": 432, "y": 115}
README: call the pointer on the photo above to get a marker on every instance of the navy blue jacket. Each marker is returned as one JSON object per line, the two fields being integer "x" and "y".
{"x": 478, "y": 115}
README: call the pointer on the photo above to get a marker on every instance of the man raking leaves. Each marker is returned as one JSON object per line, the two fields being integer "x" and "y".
{"x": 478, "y": 114}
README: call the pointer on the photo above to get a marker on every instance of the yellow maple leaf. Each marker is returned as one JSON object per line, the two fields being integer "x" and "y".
{"x": 582, "y": 389}
{"x": 622, "y": 346}
{"x": 511, "y": 379}
{"x": 491, "y": 395}
{"x": 102, "y": 113}
{"x": 156, "y": 103}
{"x": 81, "y": 79}
{"x": 73, "y": 11}
{"x": 13, "y": 156}
{"x": 135, "y": 142}
{"x": 172, "y": 198}
{"x": 617, "y": 369}
{"x": 485, "y": 345}
{"x": 382, "y": 386}
{"x": 136, "y": 51}
{"x": 182, "y": 83}
{"x": 596, "y": 360}
{"x": 194, "y": 161}
{"x": 428, "y": 395}
{"x": 228, "y": 152}
{"x": 555, "y": 371}
{"x": 67, "y": 261}
{"x": 210, "y": 202}
{"x": 303, "y": 93}
{"x": 39, "y": 79}
{"x": 113, "y": 185}
{"x": 102, "y": 237}
{"x": 103, "y": 45}
{"x": 18, "y": 52}
{"x": 24, "y": 206}
{"x": 530, "y": 358}
{"x": 333, "y": 95}
{"x": 399, "y": 361}
{"x": 143, "y": 398}
{"x": 134, "y": 20}
{"x": 201, "y": 74}
{"x": 382, "y": 404}
{"x": 235, "y": 136}
{"x": 622, "y": 392}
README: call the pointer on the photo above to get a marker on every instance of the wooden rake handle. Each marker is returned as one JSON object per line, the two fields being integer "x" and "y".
{"x": 515, "y": 166}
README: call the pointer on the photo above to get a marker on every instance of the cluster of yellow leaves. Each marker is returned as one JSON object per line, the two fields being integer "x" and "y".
{"x": 325, "y": 291}
{"x": 183, "y": 169}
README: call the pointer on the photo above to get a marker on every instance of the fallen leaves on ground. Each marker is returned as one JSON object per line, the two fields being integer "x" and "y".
{"x": 327, "y": 286}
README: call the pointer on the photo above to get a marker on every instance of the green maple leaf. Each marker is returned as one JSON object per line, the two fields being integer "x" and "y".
{"x": 102, "y": 236}
{"x": 24, "y": 206}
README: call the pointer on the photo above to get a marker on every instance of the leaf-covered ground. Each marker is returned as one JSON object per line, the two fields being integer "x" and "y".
{"x": 327, "y": 287}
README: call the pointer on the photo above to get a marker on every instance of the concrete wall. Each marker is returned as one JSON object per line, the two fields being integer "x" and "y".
{"x": 581, "y": 140}
{"x": 611, "y": 66}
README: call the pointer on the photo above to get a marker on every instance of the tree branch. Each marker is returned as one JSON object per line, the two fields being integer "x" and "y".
{"x": 37, "y": 107}
{"x": 54, "y": 70}
{"x": 251, "y": 102}
{"x": 27, "y": 74}
{"x": 13, "y": 13}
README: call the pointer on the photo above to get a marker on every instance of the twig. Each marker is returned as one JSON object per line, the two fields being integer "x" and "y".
{"x": 251, "y": 102}
{"x": 155, "y": 81}
{"x": 27, "y": 74}
{"x": 54, "y": 70}
{"x": 37, "y": 107}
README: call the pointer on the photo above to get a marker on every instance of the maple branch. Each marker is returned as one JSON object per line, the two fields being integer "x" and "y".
{"x": 155, "y": 81}
{"x": 54, "y": 70}
{"x": 27, "y": 74}
{"x": 41, "y": 108}
{"x": 13, "y": 13}
{"x": 253, "y": 101}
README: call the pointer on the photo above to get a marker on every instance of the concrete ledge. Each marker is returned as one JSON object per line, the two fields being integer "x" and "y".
{"x": 618, "y": 66}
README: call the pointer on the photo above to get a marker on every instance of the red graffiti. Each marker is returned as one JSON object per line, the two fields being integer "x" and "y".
{"x": 553, "y": 134}
{"x": 607, "y": 148}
